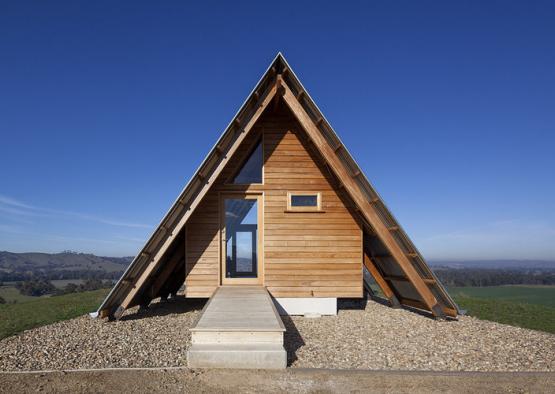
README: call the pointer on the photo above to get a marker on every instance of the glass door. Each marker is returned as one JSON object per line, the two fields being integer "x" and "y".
{"x": 240, "y": 239}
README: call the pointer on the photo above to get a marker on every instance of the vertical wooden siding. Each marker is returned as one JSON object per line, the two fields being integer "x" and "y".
{"x": 306, "y": 254}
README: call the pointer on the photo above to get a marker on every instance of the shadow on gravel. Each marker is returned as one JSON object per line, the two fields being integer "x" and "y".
{"x": 177, "y": 305}
{"x": 292, "y": 339}
{"x": 360, "y": 304}
{"x": 351, "y": 304}
{"x": 379, "y": 300}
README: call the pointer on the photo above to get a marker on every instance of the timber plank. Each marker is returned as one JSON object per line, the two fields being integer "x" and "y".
{"x": 240, "y": 308}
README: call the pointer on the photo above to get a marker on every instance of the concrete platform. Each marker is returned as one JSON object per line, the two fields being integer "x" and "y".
{"x": 238, "y": 328}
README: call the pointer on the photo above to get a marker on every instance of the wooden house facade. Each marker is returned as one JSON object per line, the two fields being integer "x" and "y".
{"x": 280, "y": 203}
{"x": 294, "y": 250}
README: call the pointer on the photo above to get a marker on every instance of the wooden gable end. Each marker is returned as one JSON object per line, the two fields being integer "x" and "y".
{"x": 306, "y": 254}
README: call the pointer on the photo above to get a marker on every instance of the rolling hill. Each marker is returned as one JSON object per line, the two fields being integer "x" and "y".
{"x": 37, "y": 263}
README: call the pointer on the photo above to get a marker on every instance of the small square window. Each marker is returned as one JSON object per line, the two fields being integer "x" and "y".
{"x": 304, "y": 201}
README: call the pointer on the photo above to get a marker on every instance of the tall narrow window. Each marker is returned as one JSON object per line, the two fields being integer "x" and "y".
{"x": 241, "y": 231}
{"x": 251, "y": 172}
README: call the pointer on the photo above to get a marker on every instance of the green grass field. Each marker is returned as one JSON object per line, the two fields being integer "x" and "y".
{"x": 15, "y": 318}
{"x": 539, "y": 295}
{"x": 522, "y": 306}
{"x": 10, "y": 294}
{"x": 520, "y": 314}
{"x": 61, "y": 283}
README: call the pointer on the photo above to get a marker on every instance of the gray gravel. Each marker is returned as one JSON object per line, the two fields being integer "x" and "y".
{"x": 363, "y": 335}
{"x": 157, "y": 338}
{"x": 379, "y": 337}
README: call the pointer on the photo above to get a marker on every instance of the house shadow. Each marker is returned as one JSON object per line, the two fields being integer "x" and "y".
{"x": 292, "y": 340}
{"x": 176, "y": 305}
{"x": 379, "y": 300}
{"x": 351, "y": 304}
{"x": 382, "y": 301}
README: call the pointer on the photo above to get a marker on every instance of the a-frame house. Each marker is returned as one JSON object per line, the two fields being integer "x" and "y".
{"x": 280, "y": 203}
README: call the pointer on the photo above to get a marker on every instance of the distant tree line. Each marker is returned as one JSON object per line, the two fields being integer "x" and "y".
{"x": 40, "y": 287}
{"x": 35, "y": 287}
{"x": 37, "y": 284}
{"x": 88, "y": 285}
{"x": 22, "y": 276}
{"x": 493, "y": 277}
{"x": 2, "y": 300}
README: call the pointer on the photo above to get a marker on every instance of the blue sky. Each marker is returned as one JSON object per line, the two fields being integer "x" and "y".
{"x": 107, "y": 108}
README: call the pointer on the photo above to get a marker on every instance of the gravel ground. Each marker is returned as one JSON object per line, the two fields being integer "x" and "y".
{"x": 379, "y": 337}
{"x": 363, "y": 335}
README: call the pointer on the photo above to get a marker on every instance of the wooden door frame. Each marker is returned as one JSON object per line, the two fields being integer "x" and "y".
{"x": 259, "y": 280}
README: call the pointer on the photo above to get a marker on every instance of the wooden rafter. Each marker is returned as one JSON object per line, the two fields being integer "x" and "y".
{"x": 404, "y": 279}
{"x": 367, "y": 210}
{"x": 381, "y": 256}
{"x": 169, "y": 267}
{"x": 386, "y": 289}
{"x": 420, "y": 305}
{"x": 279, "y": 92}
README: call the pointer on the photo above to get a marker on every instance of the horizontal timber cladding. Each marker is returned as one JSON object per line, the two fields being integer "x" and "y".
{"x": 306, "y": 254}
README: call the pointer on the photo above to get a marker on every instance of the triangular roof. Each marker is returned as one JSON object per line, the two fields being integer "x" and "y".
{"x": 388, "y": 249}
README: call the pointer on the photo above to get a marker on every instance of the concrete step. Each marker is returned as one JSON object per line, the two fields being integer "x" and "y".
{"x": 248, "y": 356}
{"x": 236, "y": 337}
{"x": 238, "y": 328}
